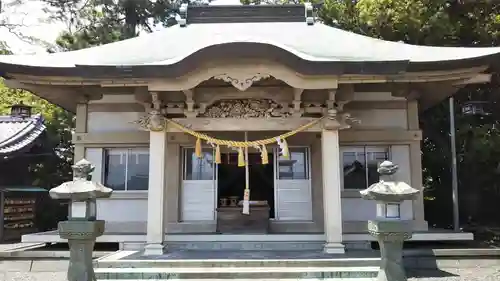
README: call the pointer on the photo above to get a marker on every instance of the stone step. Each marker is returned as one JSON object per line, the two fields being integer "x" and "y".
{"x": 239, "y": 273}
{"x": 239, "y": 263}
{"x": 309, "y": 279}
{"x": 248, "y": 246}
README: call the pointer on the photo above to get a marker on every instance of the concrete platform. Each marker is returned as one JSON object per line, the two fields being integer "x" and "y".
{"x": 431, "y": 235}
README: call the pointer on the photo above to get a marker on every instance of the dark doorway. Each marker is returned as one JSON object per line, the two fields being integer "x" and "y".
{"x": 231, "y": 179}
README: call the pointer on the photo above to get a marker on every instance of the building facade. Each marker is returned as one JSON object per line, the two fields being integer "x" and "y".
{"x": 247, "y": 73}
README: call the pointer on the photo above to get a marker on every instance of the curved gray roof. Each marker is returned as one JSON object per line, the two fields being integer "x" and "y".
{"x": 313, "y": 44}
{"x": 316, "y": 42}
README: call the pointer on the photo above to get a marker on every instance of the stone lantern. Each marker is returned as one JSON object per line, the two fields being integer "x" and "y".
{"x": 20, "y": 110}
{"x": 81, "y": 231}
{"x": 388, "y": 227}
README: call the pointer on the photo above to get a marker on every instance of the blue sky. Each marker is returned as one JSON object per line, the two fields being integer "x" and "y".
{"x": 36, "y": 24}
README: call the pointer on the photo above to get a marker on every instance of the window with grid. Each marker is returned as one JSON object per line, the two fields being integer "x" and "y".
{"x": 126, "y": 168}
{"x": 360, "y": 163}
{"x": 198, "y": 168}
{"x": 294, "y": 167}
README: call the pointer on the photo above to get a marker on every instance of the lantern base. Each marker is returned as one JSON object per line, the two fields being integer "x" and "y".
{"x": 81, "y": 229}
{"x": 81, "y": 237}
{"x": 391, "y": 236}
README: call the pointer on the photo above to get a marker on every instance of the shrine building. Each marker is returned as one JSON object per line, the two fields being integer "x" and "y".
{"x": 248, "y": 124}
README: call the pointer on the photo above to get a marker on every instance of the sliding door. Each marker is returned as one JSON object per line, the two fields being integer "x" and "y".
{"x": 293, "y": 186}
{"x": 198, "y": 192}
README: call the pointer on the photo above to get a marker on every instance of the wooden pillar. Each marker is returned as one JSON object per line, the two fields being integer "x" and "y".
{"x": 330, "y": 157}
{"x": 157, "y": 204}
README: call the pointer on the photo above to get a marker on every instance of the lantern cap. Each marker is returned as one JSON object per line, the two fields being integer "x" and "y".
{"x": 82, "y": 169}
{"x": 389, "y": 190}
{"x": 81, "y": 188}
{"x": 387, "y": 168}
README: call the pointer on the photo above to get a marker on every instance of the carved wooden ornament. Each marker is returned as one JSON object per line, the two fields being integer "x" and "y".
{"x": 154, "y": 121}
{"x": 245, "y": 108}
{"x": 242, "y": 81}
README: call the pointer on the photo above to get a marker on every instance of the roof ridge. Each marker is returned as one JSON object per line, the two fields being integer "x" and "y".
{"x": 33, "y": 118}
{"x": 246, "y": 13}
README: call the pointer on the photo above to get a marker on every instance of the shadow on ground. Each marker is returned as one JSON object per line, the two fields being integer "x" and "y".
{"x": 428, "y": 273}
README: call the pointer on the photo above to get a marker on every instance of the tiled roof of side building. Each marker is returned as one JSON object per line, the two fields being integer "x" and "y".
{"x": 17, "y": 133}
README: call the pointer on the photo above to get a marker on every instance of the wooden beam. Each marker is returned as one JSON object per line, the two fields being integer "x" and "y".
{"x": 380, "y": 136}
{"x": 255, "y": 124}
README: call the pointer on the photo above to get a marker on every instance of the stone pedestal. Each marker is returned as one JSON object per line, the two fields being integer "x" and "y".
{"x": 391, "y": 236}
{"x": 81, "y": 237}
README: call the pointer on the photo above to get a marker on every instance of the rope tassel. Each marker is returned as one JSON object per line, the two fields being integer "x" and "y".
{"x": 197, "y": 149}
{"x": 264, "y": 156}
{"x": 246, "y": 201}
{"x": 283, "y": 147}
{"x": 217, "y": 155}
{"x": 241, "y": 158}
{"x": 286, "y": 151}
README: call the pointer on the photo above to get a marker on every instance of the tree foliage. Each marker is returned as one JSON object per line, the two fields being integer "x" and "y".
{"x": 96, "y": 22}
{"x": 13, "y": 17}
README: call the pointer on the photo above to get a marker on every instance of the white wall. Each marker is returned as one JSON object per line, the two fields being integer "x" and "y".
{"x": 113, "y": 121}
{"x": 357, "y": 209}
{"x": 376, "y": 96}
{"x": 124, "y": 211}
{"x": 99, "y": 122}
{"x": 381, "y": 118}
{"x": 115, "y": 99}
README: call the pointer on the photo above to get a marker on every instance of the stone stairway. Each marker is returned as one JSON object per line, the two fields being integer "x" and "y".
{"x": 193, "y": 265}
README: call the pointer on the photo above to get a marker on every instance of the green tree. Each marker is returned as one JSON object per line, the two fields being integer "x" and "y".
{"x": 96, "y": 22}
